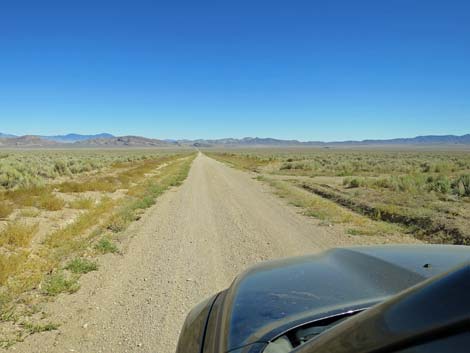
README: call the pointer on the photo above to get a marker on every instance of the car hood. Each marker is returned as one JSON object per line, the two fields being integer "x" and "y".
{"x": 276, "y": 295}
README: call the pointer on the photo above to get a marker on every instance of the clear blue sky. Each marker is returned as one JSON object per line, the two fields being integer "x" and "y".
{"x": 305, "y": 69}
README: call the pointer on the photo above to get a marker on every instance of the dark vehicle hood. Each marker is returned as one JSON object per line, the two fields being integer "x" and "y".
{"x": 274, "y": 296}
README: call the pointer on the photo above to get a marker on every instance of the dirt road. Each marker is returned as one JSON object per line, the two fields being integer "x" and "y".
{"x": 188, "y": 246}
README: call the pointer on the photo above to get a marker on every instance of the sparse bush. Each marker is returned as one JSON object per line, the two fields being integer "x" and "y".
{"x": 80, "y": 265}
{"x": 9, "y": 264}
{"x": 36, "y": 328}
{"x": 353, "y": 183}
{"x": 286, "y": 166}
{"x": 462, "y": 185}
{"x": 58, "y": 283}
{"x": 119, "y": 221}
{"x": 105, "y": 246}
{"x": 5, "y": 209}
{"x": 50, "y": 202}
{"x": 30, "y": 212}
{"x": 82, "y": 203}
{"x": 106, "y": 184}
{"x": 440, "y": 184}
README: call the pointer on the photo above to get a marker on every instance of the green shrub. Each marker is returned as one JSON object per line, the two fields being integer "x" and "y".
{"x": 105, "y": 246}
{"x": 58, "y": 283}
{"x": 440, "y": 184}
{"x": 36, "y": 328}
{"x": 286, "y": 166}
{"x": 80, "y": 266}
{"x": 355, "y": 183}
{"x": 462, "y": 185}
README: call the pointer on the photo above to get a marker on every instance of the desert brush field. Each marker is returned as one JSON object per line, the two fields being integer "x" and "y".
{"x": 425, "y": 193}
{"x": 59, "y": 210}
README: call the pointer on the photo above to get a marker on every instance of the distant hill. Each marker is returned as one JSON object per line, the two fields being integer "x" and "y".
{"x": 108, "y": 140}
{"x": 70, "y": 138}
{"x": 257, "y": 141}
{"x": 6, "y": 135}
{"x": 424, "y": 140}
{"x": 26, "y": 141}
{"x": 129, "y": 141}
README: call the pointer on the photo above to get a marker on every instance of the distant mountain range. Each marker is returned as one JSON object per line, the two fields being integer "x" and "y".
{"x": 108, "y": 140}
{"x": 257, "y": 141}
{"x": 70, "y": 138}
{"x": 127, "y": 141}
{"x": 74, "y": 140}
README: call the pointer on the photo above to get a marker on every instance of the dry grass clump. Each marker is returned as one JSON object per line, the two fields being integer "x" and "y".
{"x": 17, "y": 234}
{"x": 35, "y": 196}
{"x": 50, "y": 202}
{"x": 6, "y": 209}
{"x": 82, "y": 203}
{"x": 9, "y": 264}
{"x": 30, "y": 212}
{"x": 26, "y": 197}
{"x": 104, "y": 184}
{"x": 71, "y": 237}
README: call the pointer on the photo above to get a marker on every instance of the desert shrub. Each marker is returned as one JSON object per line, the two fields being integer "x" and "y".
{"x": 443, "y": 167}
{"x": 9, "y": 264}
{"x": 27, "y": 196}
{"x": 382, "y": 183}
{"x": 30, "y": 212}
{"x": 117, "y": 224}
{"x": 353, "y": 183}
{"x": 80, "y": 266}
{"x": 17, "y": 234}
{"x": 58, "y": 283}
{"x": 286, "y": 166}
{"x": 61, "y": 168}
{"x": 408, "y": 183}
{"x": 105, "y": 246}
{"x": 5, "y": 209}
{"x": 461, "y": 185}
{"x": 50, "y": 202}
{"x": 440, "y": 184}
{"x": 36, "y": 328}
{"x": 106, "y": 184}
{"x": 82, "y": 203}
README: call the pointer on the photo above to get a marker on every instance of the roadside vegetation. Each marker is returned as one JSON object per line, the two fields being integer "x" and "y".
{"x": 426, "y": 192}
{"x": 57, "y": 219}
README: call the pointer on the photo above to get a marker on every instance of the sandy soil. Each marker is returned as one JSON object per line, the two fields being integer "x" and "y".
{"x": 191, "y": 244}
